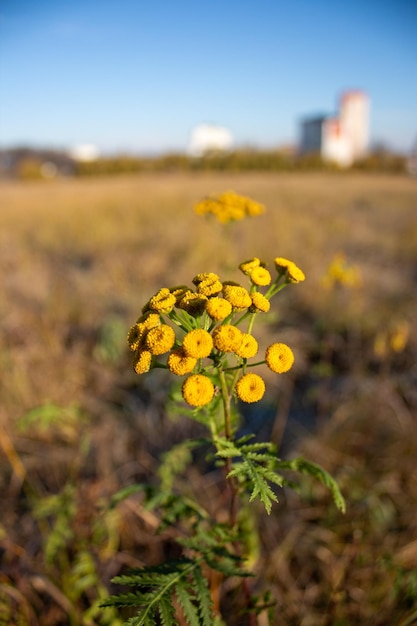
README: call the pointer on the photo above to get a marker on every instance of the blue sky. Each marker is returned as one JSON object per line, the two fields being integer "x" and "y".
{"x": 137, "y": 76}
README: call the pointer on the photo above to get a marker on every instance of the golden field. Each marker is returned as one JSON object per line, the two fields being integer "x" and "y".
{"x": 79, "y": 258}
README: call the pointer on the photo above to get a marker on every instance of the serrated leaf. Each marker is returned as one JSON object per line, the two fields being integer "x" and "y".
{"x": 316, "y": 471}
{"x": 205, "y": 603}
{"x": 185, "y": 600}
{"x": 166, "y": 611}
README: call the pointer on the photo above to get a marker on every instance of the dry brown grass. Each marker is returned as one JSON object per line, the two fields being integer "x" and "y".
{"x": 78, "y": 258}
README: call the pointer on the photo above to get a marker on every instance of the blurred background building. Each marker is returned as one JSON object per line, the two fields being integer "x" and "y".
{"x": 343, "y": 138}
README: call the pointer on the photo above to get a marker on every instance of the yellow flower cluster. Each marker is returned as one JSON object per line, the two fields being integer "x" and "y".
{"x": 207, "y": 335}
{"x": 341, "y": 273}
{"x": 392, "y": 339}
{"x": 293, "y": 272}
{"x": 229, "y": 207}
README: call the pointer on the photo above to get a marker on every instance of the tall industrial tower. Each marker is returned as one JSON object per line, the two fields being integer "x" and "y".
{"x": 354, "y": 121}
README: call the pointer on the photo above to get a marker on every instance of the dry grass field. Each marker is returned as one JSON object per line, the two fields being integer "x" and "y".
{"x": 78, "y": 258}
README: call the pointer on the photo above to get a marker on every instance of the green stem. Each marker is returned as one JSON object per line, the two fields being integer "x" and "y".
{"x": 226, "y": 396}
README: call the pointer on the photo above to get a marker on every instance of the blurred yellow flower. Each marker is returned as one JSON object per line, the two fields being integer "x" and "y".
{"x": 279, "y": 357}
{"x": 229, "y": 207}
{"x": 294, "y": 273}
{"x": 197, "y": 390}
{"x": 250, "y": 388}
{"x": 197, "y": 343}
{"x": 340, "y": 272}
{"x": 247, "y": 266}
{"x": 400, "y": 336}
{"x": 142, "y": 361}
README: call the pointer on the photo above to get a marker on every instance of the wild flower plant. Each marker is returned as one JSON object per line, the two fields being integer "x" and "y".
{"x": 229, "y": 207}
{"x": 204, "y": 335}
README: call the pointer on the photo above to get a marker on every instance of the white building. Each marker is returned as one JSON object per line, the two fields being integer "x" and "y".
{"x": 207, "y": 138}
{"x": 343, "y": 138}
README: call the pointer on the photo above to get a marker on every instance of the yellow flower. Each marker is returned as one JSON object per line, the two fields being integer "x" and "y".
{"x": 295, "y": 275}
{"x": 209, "y": 287}
{"x": 227, "y": 338}
{"x": 197, "y": 343}
{"x": 247, "y": 266}
{"x": 142, "y": 361}
{"x": 204, "y": 276}
{"x": 134, "y": 337}
{"x": 160, "y": 339}
{"x": 260, "y": 276}
{"x": 179, "y": 291}
{"x": 179, "y": 363}
{"x": 340, "y": 272}
{"x": 248, "y": 347}
{"x": 218, "y": 308}
{"x": 193, "y": 303}
{"x": 229, "y": 207}
{"x": 163, "y": 302}
{"x": 238, "y": 296}
{"x": 260, "y": 304}
{"x": 197, "y": 390}
{"x": 149, "y": 320}
{"x": 279, "y": 357}
{"x": 400, "y": 336}
{"x": 250, "y": 388}
{"x": 137, "y": 334}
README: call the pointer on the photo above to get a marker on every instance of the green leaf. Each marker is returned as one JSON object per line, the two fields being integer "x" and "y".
{"x": 185, "y": 600}
{"x": 316, "y": 471}
{"x": 205, "y": 604}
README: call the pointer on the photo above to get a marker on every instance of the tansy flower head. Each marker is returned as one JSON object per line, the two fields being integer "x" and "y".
{"x": 193, "y": 303}
{"x": 160, "y": 339}
{"x": 179, "y": 363}
{"x": 227, "y": 338}
{"x": 142, "y": 361}
{"x": 294, "y": 274}
{"x": 260, "y": 304}
{"x": 248, "y": 347}
{"x": 218, "y": 308}
{"x": 260, "y": 276}
{"x": 279, "y": 357}
{"x": 197, "y": 390}
{"x": 162, "y": 302}
{"x": 199, "y": 278}
{"x": 238, "y": 296}
{"x": 250, "y": 388}
{"x": 134, "y": 337}
{"x": 137, "y": 334}
{"x": 247, "y": 266}
{"x": 179, "y": 291}
{"x": 209, "y": 287}
{"x": 197, "y": 343}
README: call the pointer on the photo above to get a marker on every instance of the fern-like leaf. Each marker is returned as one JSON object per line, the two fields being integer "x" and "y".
{"x": 183, "y": 579}
{"x": 185, "y": 599}
{"x": 256, "y": 467}
{"x": 202, "y": 592}
{"x": 316, "y": 471}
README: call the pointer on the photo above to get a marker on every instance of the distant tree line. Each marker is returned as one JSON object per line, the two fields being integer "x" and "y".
{"x": 29, "y": 164}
